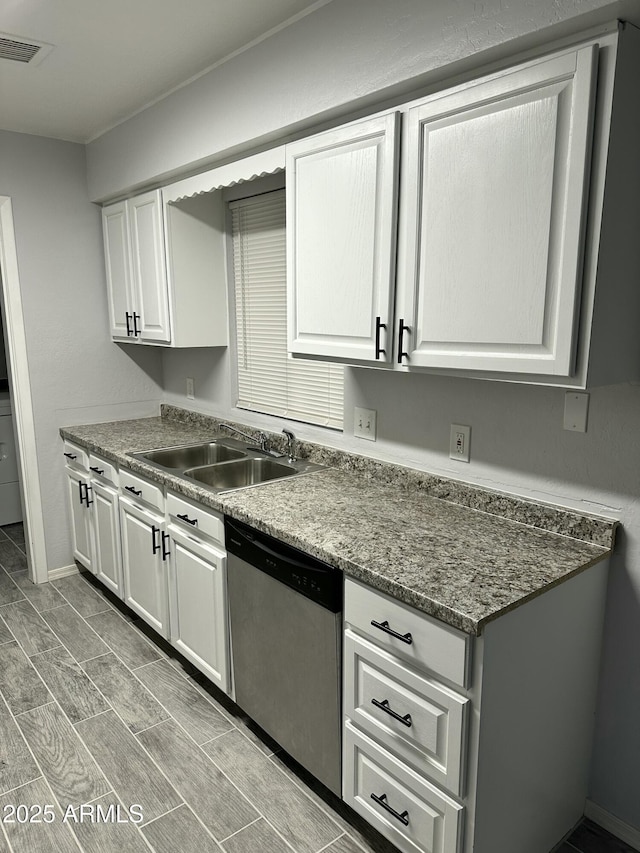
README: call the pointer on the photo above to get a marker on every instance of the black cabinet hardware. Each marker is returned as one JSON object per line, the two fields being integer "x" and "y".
{"x": 154, "y": 545}
{"x": 128, "y": 318}
{"x": 382, "y": 801}
{"x": 384, "y": 626}
{"x": 96, "y": 469}
{"x": 131, "y": 489}
{"x": 136, "y": 330}
{"x": 84, "y": 498}
{"x": 402, "y": 328}
{"x": 80, "y": 485}
{"x": 71, "y": 456}
{"x": 384, "y": 706}
{"x": 165, "y": 549}
{"x": 185, "y": 517}
{"x": 379, "y": 350}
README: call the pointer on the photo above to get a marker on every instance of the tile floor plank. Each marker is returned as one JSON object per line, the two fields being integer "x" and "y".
{"x": 9, "y": 590}
{"x": 169, "y": 833}
{"x": 112, "y": 829}
{"x": 343, "y": 845}
{"x": 15, "y": 532}
{"x": 5, "y": 634}
{"x": 28, "y": 627}
{"x": 133, "y": 775}
{"x": 82, "y": 596}
{"x": 68, "y": 767}
{"x": 17, "y": 766}
{"x": 219, "y": 805}
{"x": 54, "y": 837}
{"x": 70, "y": 685}
{"x": 130, "y": 646}
{"x": 588, "y": 837}
{"x": 301, "y": 823}
{"x": 130, "y": 699}
{"x": 74, "y": 633}
{"x": 12, "y": 559}
{"x": 19, "y": 682}
{"x": 41, "y": 595}
{"x": 257, "y": 836}
{"x": 183, "y": 701}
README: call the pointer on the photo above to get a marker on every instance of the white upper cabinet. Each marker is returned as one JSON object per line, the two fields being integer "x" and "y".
{"x": 341, "y": 235}
{"x": 494, "y": 190}
{"x": 135, "y": 265}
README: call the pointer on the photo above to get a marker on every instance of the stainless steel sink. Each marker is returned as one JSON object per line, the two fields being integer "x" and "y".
{"x": 191, "y": 455}
{"x": 243, "y": 472}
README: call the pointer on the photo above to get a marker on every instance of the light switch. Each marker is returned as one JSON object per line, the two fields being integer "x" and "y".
{"x": 576, "y": 410}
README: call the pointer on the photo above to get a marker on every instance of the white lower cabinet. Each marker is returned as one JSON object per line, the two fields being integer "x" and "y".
{"x": 81, "y": 518}
{"x": 143, "y": 562}
{"x": 107, "y": 555}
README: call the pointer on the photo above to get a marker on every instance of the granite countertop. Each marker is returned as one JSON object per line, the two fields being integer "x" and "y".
{"x": 458, "y": 559}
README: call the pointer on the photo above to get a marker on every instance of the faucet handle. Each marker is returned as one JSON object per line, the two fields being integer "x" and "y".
{"x": 263, "y": 438}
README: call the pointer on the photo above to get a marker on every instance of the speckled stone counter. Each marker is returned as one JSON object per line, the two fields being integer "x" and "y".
{"x": 452, "y": 554}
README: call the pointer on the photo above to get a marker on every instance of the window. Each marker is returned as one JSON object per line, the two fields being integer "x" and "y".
{"x": 269, "y": 381}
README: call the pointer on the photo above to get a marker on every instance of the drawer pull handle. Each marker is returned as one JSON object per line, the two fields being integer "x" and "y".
{"x": 185, "y": 517}
{"x": 382, "y": 801}
{"x": 384, "y": 706}
{"x": 384, "y": 626}
{"x": 155, "y": 546}
{"x": 96, "y": 469}
{"x": 134, "y": 490}
{"x": 71, "y": 455}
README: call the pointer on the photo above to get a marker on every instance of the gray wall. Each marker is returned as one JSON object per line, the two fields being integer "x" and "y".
{"x": 350, "y": 52}
{"x": 77, "y": 375}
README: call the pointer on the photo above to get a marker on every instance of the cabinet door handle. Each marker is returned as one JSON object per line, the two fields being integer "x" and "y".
{"x": 131, "y": 489}
{"x": 84, "y": 498}
{"x": 97, "y": 470}
{"x": 384, "y": 706}
{"x": 185, "y": 517}
{"x": 379, "y": 350}
{"x": 402, "y": 328}
{"x": 382, "y": 801}
{"x": 154, "y": 545}
{"x": 80, "y": 485}
{"x": 165, "y": 549}
{"x": 128, "y": 318}
{"x": 384, "y": 626}
{"x": 136, "y": 330}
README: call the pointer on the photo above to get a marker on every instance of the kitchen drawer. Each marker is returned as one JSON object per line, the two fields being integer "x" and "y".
{"x": 75, "y": 456}
{"x": 427, "y": 643}
{"x": 430, "y": 732}
{"x": 141, "y": 490}
{"x": 426, "y": 820}
{"x": 207, "y": 521}
{"x": 103, "y": 469}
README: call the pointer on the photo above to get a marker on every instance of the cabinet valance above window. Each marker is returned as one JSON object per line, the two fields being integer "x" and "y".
{"x": 255, "y": 166}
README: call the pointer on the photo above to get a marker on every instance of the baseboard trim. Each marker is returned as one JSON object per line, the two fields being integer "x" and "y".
{"x": 624, "y": 831}
{"x": 63, "y": 572}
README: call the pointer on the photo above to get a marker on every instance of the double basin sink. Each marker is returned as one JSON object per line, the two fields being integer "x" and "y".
{"x": 224, "y": 464}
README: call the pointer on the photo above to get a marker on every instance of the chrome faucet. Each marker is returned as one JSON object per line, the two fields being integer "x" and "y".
{"x": 262, "y": 438}
{"x": 291, "y": 445}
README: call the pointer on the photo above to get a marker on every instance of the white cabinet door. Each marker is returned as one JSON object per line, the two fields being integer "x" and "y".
{"x": 80, "y": 503}
{"x": 117, "y": 251}
{"x": 494, "y": 191}
{"x": 144, "y": 575}
{"x": 108, "y": 554}
{"x": 341, "y": 229}
{"x": 198, "y": 605}
{"x": 149, "y": 271}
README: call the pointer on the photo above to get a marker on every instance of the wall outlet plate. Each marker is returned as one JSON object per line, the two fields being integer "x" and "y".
{"x": 191, "y": 392}
{"x": 459, "y": 442}
{"x": 364, "y": 423}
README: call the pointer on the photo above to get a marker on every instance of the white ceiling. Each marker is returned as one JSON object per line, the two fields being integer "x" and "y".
{"x": 111, "y": 58}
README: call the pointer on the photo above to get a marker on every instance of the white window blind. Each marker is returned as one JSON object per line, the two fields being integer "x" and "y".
{"x": 269, "y": 381}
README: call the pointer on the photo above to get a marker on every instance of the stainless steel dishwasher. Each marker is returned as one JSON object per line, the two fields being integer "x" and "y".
{"x": 286, "y": 635}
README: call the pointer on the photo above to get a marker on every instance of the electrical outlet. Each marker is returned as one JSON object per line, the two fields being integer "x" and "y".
{"x": 459, "y": 442}
{"x": 364, "y": 423}
{"x": 191, "y": 392}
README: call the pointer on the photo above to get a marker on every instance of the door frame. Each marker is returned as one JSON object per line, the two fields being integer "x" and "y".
{"x": 21, "y": 403}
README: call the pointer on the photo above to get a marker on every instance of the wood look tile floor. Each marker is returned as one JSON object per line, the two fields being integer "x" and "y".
{"x": 98, "y": 712}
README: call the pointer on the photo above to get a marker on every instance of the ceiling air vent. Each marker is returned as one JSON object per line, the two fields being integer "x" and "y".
{"x": 17, "y": 49}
